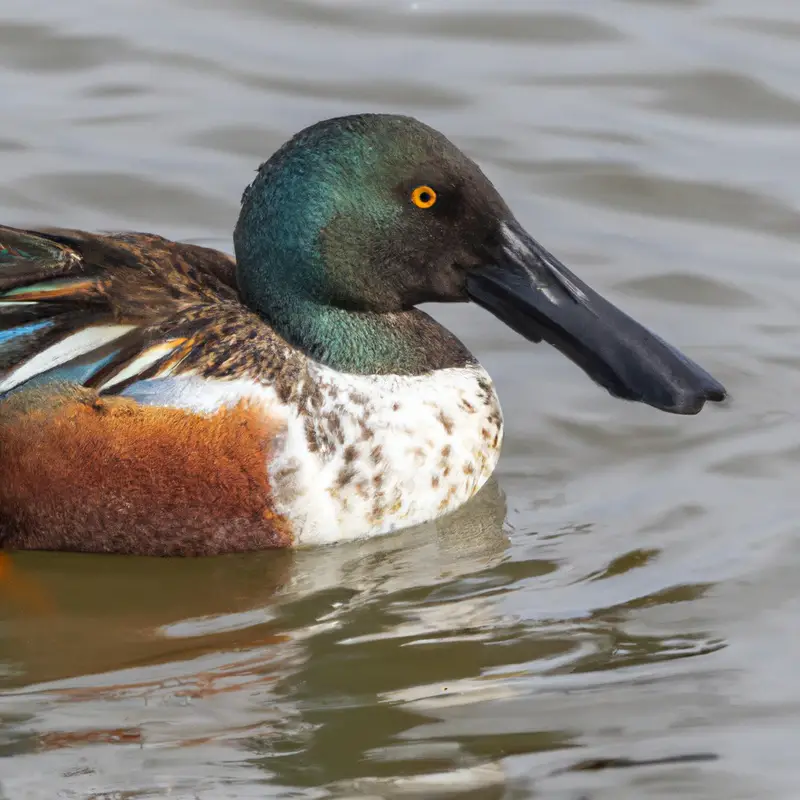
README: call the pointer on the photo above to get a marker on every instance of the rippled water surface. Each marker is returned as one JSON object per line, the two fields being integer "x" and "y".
{"x": 616, "y": 616}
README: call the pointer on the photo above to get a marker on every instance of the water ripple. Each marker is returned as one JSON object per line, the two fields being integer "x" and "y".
{"x": 612, "y": 617}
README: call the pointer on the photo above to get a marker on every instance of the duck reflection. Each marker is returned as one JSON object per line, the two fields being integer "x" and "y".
{"x": 70, "y": 615}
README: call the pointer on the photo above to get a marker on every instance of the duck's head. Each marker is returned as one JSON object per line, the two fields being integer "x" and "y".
{"x": 371, "y": 215}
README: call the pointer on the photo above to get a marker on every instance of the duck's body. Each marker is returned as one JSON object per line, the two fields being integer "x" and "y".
{"x": 354, "y": 413}
{"x": 161, "y": 324}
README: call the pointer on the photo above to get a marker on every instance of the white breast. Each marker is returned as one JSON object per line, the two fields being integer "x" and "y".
{"x": 386, "y": 452}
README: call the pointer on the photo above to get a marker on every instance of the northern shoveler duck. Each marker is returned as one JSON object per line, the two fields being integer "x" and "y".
{"x": 163, "y": 398}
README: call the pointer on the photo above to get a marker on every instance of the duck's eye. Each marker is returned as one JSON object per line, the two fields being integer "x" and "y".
{"x": 423, "y": 197}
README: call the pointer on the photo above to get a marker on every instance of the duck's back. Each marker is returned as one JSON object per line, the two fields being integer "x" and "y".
{"x": 111, "y": 309}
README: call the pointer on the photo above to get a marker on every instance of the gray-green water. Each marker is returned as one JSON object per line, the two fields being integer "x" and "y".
{"x": 629, "y": 630}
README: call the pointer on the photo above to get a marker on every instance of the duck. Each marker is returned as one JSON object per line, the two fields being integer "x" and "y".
{"x": 167, "y": 399}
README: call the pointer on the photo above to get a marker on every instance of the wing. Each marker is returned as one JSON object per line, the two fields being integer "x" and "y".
{"x": 107, "y": 311}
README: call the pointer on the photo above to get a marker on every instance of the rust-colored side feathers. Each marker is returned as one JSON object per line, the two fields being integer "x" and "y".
{"x": 95, "y": 474}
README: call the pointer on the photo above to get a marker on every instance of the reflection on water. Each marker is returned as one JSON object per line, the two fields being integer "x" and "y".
{"x": 613, "y": 617}
{"x": 104, "y": 613}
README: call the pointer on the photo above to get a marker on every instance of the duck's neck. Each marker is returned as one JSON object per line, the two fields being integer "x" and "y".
{"x": 365, "y": 343}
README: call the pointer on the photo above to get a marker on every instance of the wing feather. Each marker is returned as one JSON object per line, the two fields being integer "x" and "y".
{"x": 112, "y": 309}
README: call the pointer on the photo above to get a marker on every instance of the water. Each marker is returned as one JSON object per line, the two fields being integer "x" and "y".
{"x": 615, "y": 617}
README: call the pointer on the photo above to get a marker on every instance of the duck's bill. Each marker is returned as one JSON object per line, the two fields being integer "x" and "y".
{"x": 536, "y": 295}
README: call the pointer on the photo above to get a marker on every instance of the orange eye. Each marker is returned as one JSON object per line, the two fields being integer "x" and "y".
{"x": 423, "y": 197}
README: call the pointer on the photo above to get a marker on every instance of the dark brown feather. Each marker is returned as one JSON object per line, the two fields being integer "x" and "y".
{"x": 168, "y": 290}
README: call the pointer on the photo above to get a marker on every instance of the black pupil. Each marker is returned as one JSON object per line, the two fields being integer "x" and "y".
{"x": 425, "y": 197}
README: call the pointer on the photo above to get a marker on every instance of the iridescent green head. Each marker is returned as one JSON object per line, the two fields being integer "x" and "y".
{"x": 356, "y": 220}
{"x": 368, "y": 213}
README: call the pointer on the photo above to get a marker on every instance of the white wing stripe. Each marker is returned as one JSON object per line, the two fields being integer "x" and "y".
{"x": 74, "y": 345}
{"x": 148, "y": 357}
